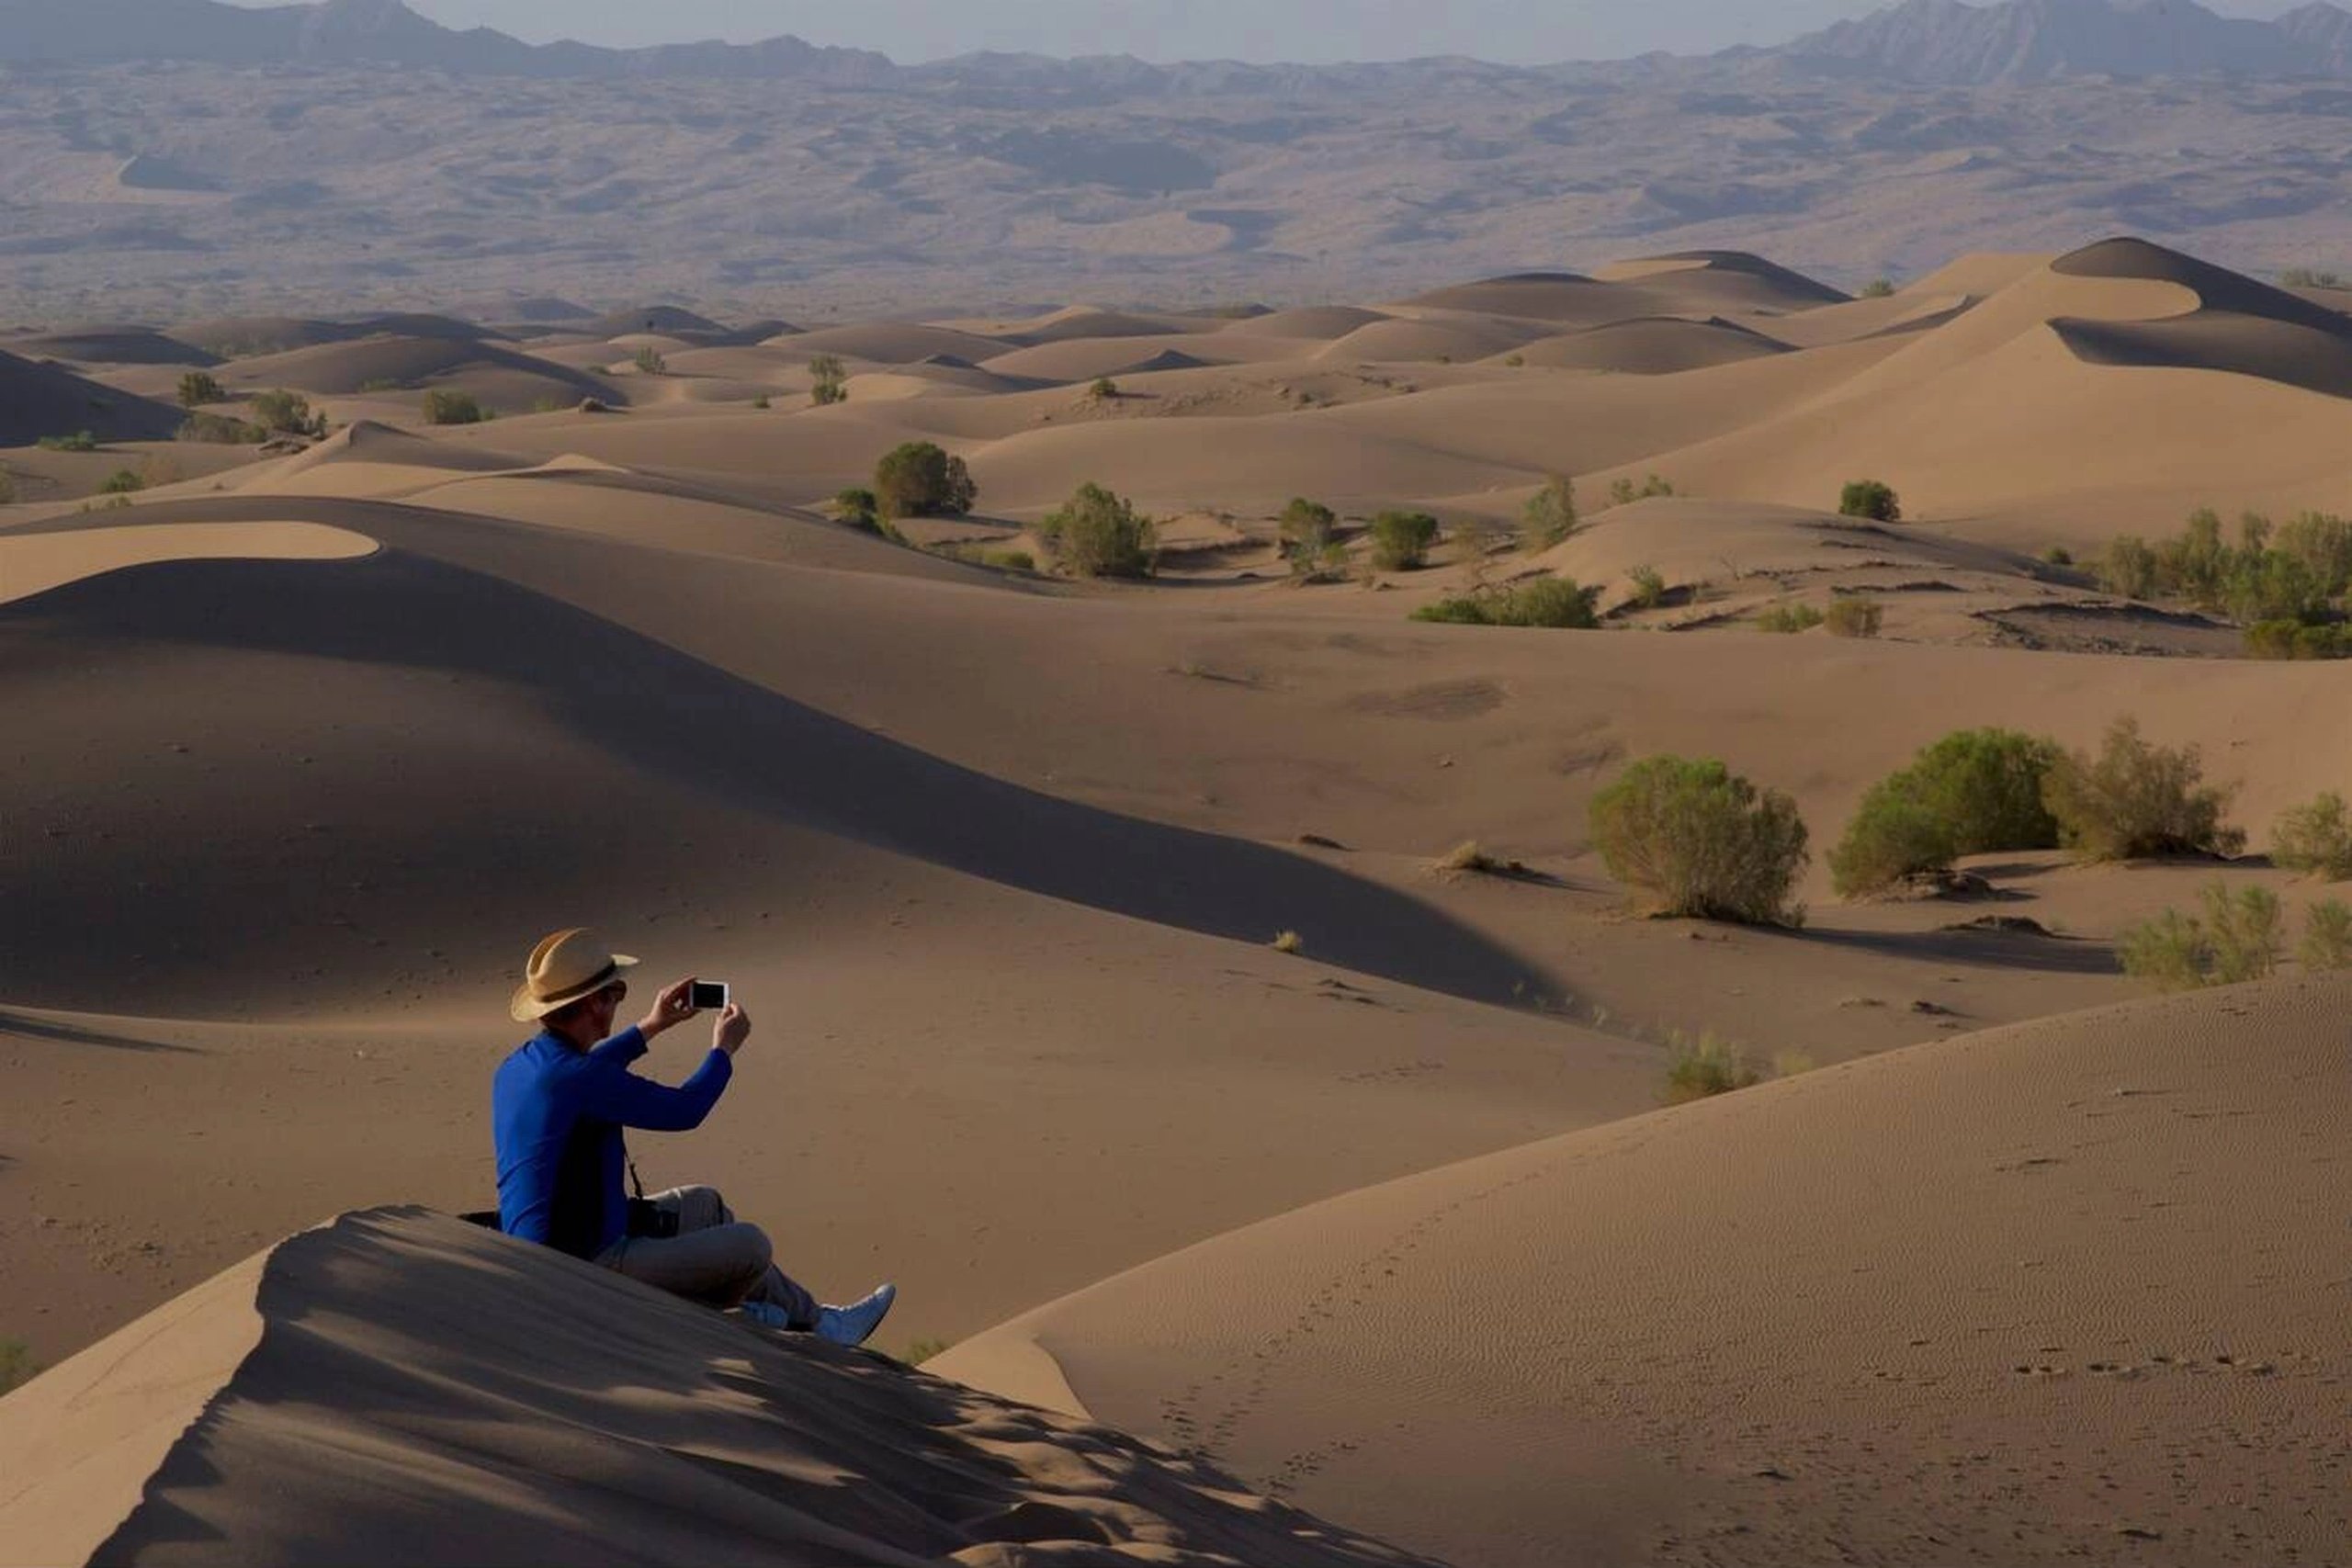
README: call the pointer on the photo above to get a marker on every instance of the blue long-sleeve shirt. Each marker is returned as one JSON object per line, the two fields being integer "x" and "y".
{"x": 557, "y": 1113}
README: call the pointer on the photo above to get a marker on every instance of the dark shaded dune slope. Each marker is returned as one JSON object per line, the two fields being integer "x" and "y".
{"x": 407, "y": 723}
{"x": 1653, "y": 345}
{"x": 2240, "y": 326}
{"x": 38, "y": 399}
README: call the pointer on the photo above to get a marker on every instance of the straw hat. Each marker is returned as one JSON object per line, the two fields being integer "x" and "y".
{"x": 563, "y": 968}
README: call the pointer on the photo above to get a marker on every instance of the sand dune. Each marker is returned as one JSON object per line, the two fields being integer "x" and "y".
{"x": 896, "y": 343}
{"x": 1722, "y": 278}
{"x": 234, "y": 337}
{"x": 35, "y": 563}
{"x": 542, "y": 1380}
{"x": 44, "y": 399}
{"x": 109, "y": 344}
{"x": 1656, "y": 347}
{"x": 1084, "y": 358}
{"x": 501, "y": 378}
{"x": 1863, "y": 1313}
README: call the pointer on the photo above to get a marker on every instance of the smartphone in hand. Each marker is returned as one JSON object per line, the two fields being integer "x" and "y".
{"x": 709, "y": 995}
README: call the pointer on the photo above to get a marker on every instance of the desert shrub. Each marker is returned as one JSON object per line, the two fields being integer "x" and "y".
{"x": 2235, "y": 939}
{"x": 1098, "y": 534}
{"x": 2310, "y": 278}
{"x": 1009, "y": 560}
{"x": 2328, "y": 936}
{"x": 649, "y": 362}
{"x": 917, "y": 479}
{"x": 17, "y": 1365}
{"x": 2294, "y": 639}
{"x": 1401, "y": 540}
{"x": 1308, "y": 528}
{"x": 1872, "y": 499}
{"x": 1514, "y": 360}
{"x": 1463, "y": 612}
{"x": 1289, "y": 942}
{"x": 1893, "y": 835}
{"x": 280, "y": 411}
{"x": 198, "y": 387}
{"x": 1649, "y": 587}
{"x": 2057, "y": 555}
{"x": 859, "y": 508}
{"x": 1550, "y": 515}
{"x": 2135, "y": 800}
{"x": 122, "y": 481}
{"x": 1469, "y": 856}
{"x": 1701, "y": 842}
{"x": 2127, "y": 567}
{"x": 7, "y": 488}
{"x": 79, "y": 441}
{"x": 1878, "y": 288}
{"x": 828, "y": 380}
{"x": 760, "y": 401}
{"x": 1853, "y": 615}
{"x": 1788, "y": 619}
{"x": 445, "y": 405}
{"x": 1624, "y": 492}
{"x": 1971, "y": 792}
{"x": 1709, "y": 1066}
{"x": 1104, "y": 390}
{"x": 1555, "y": 601}
{"x": 2316, "y": 839}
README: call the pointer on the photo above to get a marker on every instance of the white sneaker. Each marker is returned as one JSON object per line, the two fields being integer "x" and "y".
{"x": 856, "y": 1323}
{"x": 767, "y": 1315}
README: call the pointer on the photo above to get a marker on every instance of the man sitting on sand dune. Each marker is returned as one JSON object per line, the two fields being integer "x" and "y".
{"x": 558, "y": 1107}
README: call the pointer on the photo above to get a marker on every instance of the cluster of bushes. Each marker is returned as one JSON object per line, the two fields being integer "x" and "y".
{"x": 281, "y": 412}
{"x": 649, "y": 362}
{"x": 1649, "y": 587}
{"x": 1309, "y": 535}
{"x": 198, "y": 387}
{"x": 2316, "y": 838}
{"x": 1623, "y": 493}
{"x": 122, "y": 481}
{"x": 2273, "y": 579}
{"x": 1555, "y": 602}
{"x": 2310, "y": 278}
{"x": 1099, "y": 534}
{"x": 79, "y": 441}
{"x": 445, "y": 405}
{"x": 1983, "y": 791}
{"x": 2237, "y": 936}
{"x": 1849, "y": 615}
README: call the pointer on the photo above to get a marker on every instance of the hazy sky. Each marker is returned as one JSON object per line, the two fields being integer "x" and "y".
{"x": 907, "y": 31}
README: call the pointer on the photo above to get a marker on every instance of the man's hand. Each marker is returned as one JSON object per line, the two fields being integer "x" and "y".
{"x": 734, "y": 1027}
{"x": 674, "y": 1005}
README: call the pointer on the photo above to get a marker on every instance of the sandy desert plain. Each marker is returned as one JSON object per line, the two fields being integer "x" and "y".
{"x": 1119, "y": 989}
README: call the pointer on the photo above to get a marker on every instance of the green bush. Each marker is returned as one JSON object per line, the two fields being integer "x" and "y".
{"x": 198, "y": 387}
{"x": 1709, "y": 1066}
{"x": 79, "y": 441}
{"x": 1553, "y": 601}
{"x": 1788, "y": 619}
{"x": 1879, "y": 288}
{"x": 1623, "y": 493}
{"x": 1104, "y": 390}
{"x": 917, "y": 479}
{"x": 2294, "y": 572}
{"x": 1009, "y": 560}
{"x": 2293, "y": 639}
{"x": 2058, "y": 555}
{"x": 2127, "y": 567}
{"x": 2310, "y": 278}
{"x": 1463, "y": 612}
{"x": 1701, "y": 842}
{"x": 1853, "y": 615}
{"x": 2316, "y": 839}
{"x": 1975, "y": 792}
{"x": 2235, "y": 939}
{"x": 649, "y": 362}
{"x": 1551, "y": 513}
{"x": 859, "y": 508}
{"x": 760, "y": 401}
{"x": 828, "y": 380}
{"x": 7, "y": 488}
{"x": 1098, "y": 534}
{"x": 1649, "y": 587}
{"x": 445, "y": 405}
{"x": 1308, "y": 529}
{"x": 122, "y": 481}
{"x": 217, "y": 430}
{"x": 1401, "y": 540}
{"x": 1871, "y": 498}
{"x": 2327, "y": 937}
{"x": 2135, "y": 800}
{"x": 283, "y": 413}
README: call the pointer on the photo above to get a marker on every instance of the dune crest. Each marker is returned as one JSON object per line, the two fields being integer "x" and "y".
{"x": 400, "y": 1386}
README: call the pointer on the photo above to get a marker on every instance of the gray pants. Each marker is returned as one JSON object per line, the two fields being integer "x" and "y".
{"x": 715, "y": 1258}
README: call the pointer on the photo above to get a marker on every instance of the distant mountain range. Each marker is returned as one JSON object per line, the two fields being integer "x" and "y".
{"x": 1937, "y": 43}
